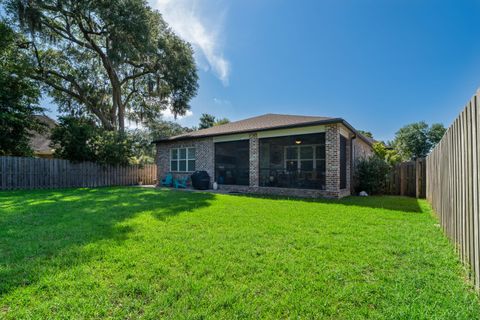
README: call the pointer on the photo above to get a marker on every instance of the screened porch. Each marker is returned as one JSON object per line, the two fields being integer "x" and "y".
{"x": 293, "y": 161}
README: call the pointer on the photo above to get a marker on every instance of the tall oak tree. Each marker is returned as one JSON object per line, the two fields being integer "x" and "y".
{"x": 115, "y": 60}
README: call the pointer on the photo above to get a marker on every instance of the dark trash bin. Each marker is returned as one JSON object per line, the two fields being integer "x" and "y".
{"x": 200, "y": 180}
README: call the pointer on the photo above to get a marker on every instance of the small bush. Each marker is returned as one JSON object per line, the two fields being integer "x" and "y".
{"x": 371, "y": 175}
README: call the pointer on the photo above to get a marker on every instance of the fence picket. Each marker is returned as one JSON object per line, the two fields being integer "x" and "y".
{"x": 406, "y": 179}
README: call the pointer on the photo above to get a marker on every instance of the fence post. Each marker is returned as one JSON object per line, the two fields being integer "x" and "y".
{"x": 420, "y": 173}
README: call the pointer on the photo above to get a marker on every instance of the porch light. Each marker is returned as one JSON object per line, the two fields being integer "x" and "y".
{"x": 298, "y": 141}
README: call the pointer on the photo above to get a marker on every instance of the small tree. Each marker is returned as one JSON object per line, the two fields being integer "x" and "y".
{"x": 162, "y": 128}
{"x": 417, "y": 139}
{"x": 435, "y": 134}
{"x": 367, "y": 134}
{"x": 221, "y": 121}
{"x": 143, "y": 148}
{"x": 206, "y": 121}
{"x": 390, "y": 155}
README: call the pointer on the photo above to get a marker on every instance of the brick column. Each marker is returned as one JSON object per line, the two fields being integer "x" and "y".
{"x": 254, "y": 160}
{"x": 348, "y": 190}
{"x": 158, "y": 162}
{"x": 332, "y": 154}
{"x": 349, "y": 165}
{"x": 205, "y": 157}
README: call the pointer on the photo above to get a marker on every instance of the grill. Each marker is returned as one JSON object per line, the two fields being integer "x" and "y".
{"x": 201, "y": 180}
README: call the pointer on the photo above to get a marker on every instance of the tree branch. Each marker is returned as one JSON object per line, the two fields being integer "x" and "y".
{"x": 59, "y": 88}
{"x": 135, "y": 76}
{"x": 79, "y": 96}
{"x": 67, "y": 34}
{"x": 129, "y": 96}
{"x": 69, "y": 79}
{"x": 37, "y": 55}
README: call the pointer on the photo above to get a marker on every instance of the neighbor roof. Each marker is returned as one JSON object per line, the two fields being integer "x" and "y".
{"x": 260, "y": 123}
{"x": 40, "y": 142}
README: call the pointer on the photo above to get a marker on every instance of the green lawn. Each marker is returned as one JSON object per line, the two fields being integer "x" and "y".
{"x": 134, "y": 252}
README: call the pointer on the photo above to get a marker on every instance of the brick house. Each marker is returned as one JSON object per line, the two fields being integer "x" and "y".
{"x": 270, "y": 154}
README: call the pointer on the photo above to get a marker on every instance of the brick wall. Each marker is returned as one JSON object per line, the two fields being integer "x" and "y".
{"x": 204, "y": 157}
{"x": 332, "y": 159}
{"x": 254, "y": 173}
{"x": 289, "y": 192}
{"x": 332, "y": 149}
{"x": 347, "y": 191}
{"x": 361, "y": 149}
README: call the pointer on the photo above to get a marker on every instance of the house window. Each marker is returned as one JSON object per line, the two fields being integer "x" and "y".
{"x": 343, "y": 162}
{"x": 306, "y": 158}
{"x": 291, "y": 158}
{"x": 182, "y": 159}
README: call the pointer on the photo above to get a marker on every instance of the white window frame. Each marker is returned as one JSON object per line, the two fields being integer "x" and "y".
{"x": 297, "y": 147}
{"x": 186, "y": 159}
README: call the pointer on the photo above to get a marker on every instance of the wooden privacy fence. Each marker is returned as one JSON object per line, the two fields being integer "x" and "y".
{"x": 453, "y": 185}
{"x": 34, "y": 173}
{"x": 408, "y": 179}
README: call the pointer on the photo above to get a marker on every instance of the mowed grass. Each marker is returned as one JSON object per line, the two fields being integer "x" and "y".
{"x": 130, "y": 253}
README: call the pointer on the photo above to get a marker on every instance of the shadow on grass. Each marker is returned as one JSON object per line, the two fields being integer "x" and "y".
{"x": 42, "y": 232}
{"x": 394, "y": 203}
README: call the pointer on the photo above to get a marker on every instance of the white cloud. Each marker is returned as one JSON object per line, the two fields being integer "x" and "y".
{"x": 222, "y": 102}
{"x": 203, "y": 30}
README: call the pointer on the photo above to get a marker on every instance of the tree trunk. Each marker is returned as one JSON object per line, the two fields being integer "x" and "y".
{"x": 103, "y": 120}
{"x": 117, "y": 103}
{"x": 121, "y": 118}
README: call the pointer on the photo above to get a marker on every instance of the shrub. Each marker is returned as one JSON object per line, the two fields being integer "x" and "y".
{"x": 371, "y": 175}
{"x": 71, "y": 138}
{"x": 80, "y": 139}
{"x": 112, "y": 147}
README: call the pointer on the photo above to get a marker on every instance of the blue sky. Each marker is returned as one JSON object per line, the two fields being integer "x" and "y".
{"x": 379, "y": 64}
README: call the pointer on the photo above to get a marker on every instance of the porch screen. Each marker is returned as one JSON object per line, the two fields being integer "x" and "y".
{"x": 343, "y": 162}
{"x": 293, "y": 161}
{"x": 232, "y": 162}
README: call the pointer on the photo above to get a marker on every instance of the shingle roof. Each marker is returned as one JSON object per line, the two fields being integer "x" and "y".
{"x": 263, "y": 122}
{"x": 260, "y": 123}
{"x": 40, "y": 142}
